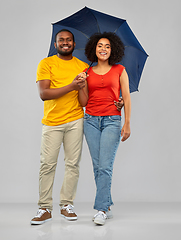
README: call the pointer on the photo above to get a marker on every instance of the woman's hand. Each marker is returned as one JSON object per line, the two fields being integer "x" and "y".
{"x": 82, "y": 78}
{"x": 125, "y": 132}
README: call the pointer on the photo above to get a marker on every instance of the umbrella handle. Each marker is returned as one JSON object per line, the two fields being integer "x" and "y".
{"x": 88, "y": 68}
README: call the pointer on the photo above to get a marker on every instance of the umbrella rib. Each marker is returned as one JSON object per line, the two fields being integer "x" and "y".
{"x": 118, "y": 27}
{"x": 83, "y": 34}
{"x": 129, "y": 46}
{"x": 137, "y": 49}
{"x": 79, "y": 48}
{"x": 129, "y": 74}
{"x": 97, "y": 28}
{"x": 97, "y": 23}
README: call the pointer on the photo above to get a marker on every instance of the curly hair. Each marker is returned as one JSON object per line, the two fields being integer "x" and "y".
{"x": 117, "y": 47}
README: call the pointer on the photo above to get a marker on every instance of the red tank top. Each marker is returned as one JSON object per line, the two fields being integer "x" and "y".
{"x": 103, "y": 90}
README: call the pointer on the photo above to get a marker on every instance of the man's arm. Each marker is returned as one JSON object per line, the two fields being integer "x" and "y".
{"x": 47, "y": 93}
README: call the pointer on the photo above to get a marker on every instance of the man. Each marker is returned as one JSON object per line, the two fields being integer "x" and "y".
{"x": 58, "y": 82}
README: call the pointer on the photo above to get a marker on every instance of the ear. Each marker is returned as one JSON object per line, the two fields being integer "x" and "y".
{"x": 74, "y": 44}
{"x": 55, "y": 45}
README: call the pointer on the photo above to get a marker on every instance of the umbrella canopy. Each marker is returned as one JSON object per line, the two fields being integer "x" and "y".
{"x": 86, "y": 22}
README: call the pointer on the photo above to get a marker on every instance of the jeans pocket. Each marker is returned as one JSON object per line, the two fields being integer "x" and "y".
{"x": 87, "y": 116}
{"x": 115, "y": 118}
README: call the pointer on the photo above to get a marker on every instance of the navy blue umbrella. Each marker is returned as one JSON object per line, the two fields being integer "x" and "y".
{"x": 86, "y": 22}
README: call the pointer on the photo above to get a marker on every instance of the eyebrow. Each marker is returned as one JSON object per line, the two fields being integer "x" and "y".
{"x": 106, "y": 44}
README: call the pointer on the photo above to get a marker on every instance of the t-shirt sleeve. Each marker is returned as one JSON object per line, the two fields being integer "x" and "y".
{"x": 43, "y": 71}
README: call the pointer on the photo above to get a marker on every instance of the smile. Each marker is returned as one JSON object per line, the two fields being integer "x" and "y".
{"x": 65, "y": 47}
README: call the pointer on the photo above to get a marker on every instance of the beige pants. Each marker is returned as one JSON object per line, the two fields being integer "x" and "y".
{"x": 71, "y": 135}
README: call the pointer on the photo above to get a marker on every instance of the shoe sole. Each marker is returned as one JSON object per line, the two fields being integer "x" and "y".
{"x": 99, "y": 223}
{"x": 69, "y": 218}
{"x": 40, "y": 222}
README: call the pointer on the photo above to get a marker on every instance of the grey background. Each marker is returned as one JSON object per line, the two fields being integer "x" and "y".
{"x": 148, "y": 165}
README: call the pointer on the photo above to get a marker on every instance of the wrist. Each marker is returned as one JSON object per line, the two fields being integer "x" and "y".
{"x": 71, "y": 86}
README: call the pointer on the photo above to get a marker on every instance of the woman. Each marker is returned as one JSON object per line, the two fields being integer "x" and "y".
{"x": 102, "y": 121}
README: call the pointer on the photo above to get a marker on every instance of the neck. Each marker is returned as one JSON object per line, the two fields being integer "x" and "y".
{"x": 103, "y": 64}
{"x": 102, "y": 67}
{"x": 69, "y": 57}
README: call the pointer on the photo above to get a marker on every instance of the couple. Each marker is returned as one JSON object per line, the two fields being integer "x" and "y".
{"x": 65, "y": 88}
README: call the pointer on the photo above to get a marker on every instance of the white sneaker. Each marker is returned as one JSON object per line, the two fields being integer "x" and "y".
{"x": 108, "y": 213}
{"x": 100, "y": 218}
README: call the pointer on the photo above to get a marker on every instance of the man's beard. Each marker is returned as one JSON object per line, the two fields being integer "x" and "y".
{"x": 64, "y": 53}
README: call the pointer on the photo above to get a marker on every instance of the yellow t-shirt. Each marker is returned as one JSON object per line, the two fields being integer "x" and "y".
{"x": 61, "y": 73}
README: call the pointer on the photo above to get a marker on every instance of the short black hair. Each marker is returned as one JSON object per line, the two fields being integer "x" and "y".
{"x": 64, "y": 30}
{"x": 117, "y": 47}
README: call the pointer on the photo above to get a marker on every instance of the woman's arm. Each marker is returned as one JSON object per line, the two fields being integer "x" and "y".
{"x": 83, "y": 95}
{"x": 124, "y": 81}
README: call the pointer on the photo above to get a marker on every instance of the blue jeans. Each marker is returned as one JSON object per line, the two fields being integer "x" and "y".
{"x": 103, "y": 135}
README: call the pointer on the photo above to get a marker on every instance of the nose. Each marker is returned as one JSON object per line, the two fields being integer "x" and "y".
{"x": 65, "y": 41}
{"x": 103, "y": 47}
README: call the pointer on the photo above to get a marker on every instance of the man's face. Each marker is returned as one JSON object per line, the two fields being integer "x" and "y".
{"x": 64, "y": 43}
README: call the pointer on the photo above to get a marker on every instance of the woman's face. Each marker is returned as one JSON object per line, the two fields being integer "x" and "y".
{"x": 103, "y": 49}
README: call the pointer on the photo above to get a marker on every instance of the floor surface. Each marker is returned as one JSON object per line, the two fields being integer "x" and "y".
{"x": 131, "y": 221}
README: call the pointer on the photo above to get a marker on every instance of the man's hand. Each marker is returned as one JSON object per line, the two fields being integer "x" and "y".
{"x": 119, "y": 104}
{"x": 82, "y": 77}
{"x": 79, "y": 81}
